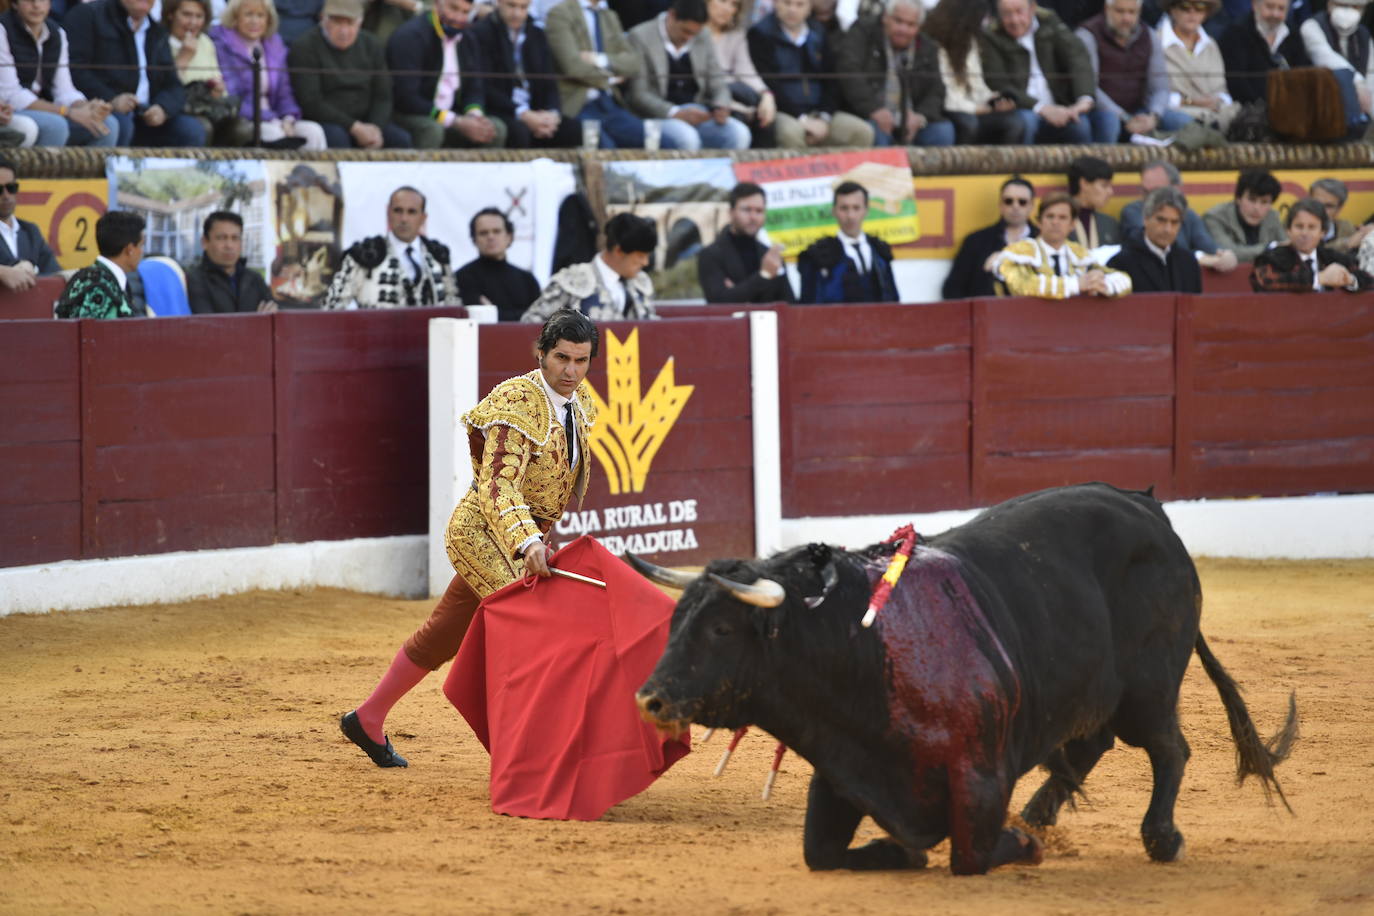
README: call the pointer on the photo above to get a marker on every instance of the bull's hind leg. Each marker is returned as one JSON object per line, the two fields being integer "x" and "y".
{"x": 1168, "y": 756}
{"x": 830, "y": 825}
{"x": 1068, "y": 767}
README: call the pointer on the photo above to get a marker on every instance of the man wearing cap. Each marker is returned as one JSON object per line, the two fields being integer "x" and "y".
{"x": 528, "y": 440}
{"x": 396, "y": 270}
{"x": 340, "y": 78}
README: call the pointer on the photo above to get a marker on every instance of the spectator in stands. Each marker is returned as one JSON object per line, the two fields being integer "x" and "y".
{"x": 246, "y": 25}
{"x": 796, "y": 61}
{"x": 978, "y": 114}
{"x": 489, "y": 279}
{"x": 739, "y": 266}
{"x": 439, "y": 89}
{"x": 634, "y": 12}
{"x": 121, "y": 56}
{"x": 197, "y": 61}
{"x": 1192, "y": 235}
{"x": 383, "y": 17}
{"x": 1341, "y": 234}
{"x": 751, "y": 99}
{"x": 1302, "y": 263}
{"x": 36, "y": 81}
{"x": 890, "y": 82}
{"x": 595, "y": 60}
{"x": 852, "y": 266}
{"x": 221, "y": 281}
{"x": 521, "y": 93}
{"x": 1197, "y": 73}
{"x": 1090, "y": 186}
{"x": 102, "y": 289}
{"x": 1030, "y": 56}
{"x": 1131, "y": 76}
{"x": 612, "y": 286}
{"x": 24, "y": 255}
{"x": 297, "y": 18}
{"x": 1051, "y": 266}
{"x": 1256, "y": 44}
{"x": 1248, "y": 224}
{"x": 1154, "y": 259}
{"x": 397, "y": 270}
{"x": 969, "y": 275}
{"x": 681, "y": 83}
{"x": 1336, "y": 39}
{"x": 339, "y": 76}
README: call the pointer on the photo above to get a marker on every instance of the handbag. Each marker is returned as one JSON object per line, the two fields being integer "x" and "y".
{"x": 202, "y": 102}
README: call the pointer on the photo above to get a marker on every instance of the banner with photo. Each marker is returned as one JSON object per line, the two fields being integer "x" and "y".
{"x": 801, "y": 191}
{"x": 529, "y": 193}
{"x": 688, "y": 201}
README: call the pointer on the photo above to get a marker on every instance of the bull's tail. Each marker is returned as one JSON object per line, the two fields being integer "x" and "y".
{"x": 1254, "y": 756}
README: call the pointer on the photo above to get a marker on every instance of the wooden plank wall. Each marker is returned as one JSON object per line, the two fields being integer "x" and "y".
{"x": 1275, "y": 395}
{"x": 878, "y": 409}
{"x": 1072, "y": 390}
{"x": 40, "y": 443}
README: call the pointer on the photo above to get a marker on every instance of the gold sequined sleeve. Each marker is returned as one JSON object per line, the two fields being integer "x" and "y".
{"x": 505, "y": 458}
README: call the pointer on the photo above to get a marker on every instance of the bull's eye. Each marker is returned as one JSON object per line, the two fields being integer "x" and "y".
{"x": 722, "y": 629}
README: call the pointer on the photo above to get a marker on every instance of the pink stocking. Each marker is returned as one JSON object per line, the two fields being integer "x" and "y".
{"x": 399, "y": 680}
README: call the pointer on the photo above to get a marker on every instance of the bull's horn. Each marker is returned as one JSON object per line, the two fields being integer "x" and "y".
{"x": 763, "y": 593}
{"x": 671, "y": 578}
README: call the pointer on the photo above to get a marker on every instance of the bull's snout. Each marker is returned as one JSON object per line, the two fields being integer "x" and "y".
{"x": 659, "y": 713}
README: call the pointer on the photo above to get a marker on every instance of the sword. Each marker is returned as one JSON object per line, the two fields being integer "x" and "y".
{"x": 580, "y": 578}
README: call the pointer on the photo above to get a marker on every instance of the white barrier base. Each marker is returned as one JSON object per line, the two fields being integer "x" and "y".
{"x": 1304, "y": 527}
{"x": 384, "y": 566}
{"x": 1298, "y": 527}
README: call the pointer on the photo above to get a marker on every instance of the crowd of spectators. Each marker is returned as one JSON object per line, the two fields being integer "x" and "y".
{"x": 676, "y": 74}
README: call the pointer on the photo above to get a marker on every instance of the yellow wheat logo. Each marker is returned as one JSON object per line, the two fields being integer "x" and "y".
{"x": 630, "y": 430}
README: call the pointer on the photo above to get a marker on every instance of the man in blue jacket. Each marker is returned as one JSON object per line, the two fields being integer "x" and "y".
{"x": 853, "y": 266}
{"x": 121, "y": 56}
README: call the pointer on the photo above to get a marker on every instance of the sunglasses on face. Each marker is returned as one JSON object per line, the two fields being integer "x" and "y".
{"x": 1016, "y": 201}
{"x": 12, "y": 187}
{"x": 1193, "y": 7}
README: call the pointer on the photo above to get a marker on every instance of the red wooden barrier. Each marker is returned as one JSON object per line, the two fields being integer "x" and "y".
{"x": 1072, "y": 390}
{"x": 701, "y": 477}
{"x": 879, "y": 415}
{"x": 352, "y": 424}
{"x": 176, "y": 434}
{"x": 1275, "y": 394}
{"x": 40, "y": 443}
{"x": 36, "y": 302}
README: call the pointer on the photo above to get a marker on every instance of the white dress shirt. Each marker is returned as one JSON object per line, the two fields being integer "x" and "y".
{"x": 399, "y": 248}
{"x": 612, "y": 281}
{"x": 861, "y": 244}
{"x": 120, "y": 276}
{"x": 140, "y": 44}
{"x": 9, "y": 231}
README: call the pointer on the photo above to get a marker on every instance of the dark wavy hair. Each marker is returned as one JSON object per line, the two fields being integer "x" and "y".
{"x": 570, "y": 325}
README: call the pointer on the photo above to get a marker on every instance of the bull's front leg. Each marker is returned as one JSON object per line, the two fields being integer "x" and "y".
{"x": 830, "y": 825}
{"x": 977, "y": 811}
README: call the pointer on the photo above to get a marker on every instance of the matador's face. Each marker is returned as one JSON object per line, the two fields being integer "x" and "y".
{"x": 566, "y": 365}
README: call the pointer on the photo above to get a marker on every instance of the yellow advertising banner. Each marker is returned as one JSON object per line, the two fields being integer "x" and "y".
{"x": 65, "y": 210}
{"x": 952, "y": 207}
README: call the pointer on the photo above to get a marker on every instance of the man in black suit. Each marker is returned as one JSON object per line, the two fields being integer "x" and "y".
{"x": 967, "y": 275}
{"x": 489, "y": 279}
{"x": 737, "y": 267}
{"x": 526, "y": 101}
{"x": 1154, "y": 262}
{"x": 1257, "y": 43}
{"x": 24, "y": 255}
{"x": 141, "y": 84}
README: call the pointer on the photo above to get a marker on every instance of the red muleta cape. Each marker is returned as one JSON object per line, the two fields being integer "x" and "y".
{"x": 546, "y": 678}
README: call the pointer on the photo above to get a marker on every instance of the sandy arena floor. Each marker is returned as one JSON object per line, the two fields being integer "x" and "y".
{"x": 186, "y": 758}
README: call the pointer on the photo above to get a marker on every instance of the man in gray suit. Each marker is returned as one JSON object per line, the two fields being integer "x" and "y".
{"x": 680, "y": 81}
{"x": 594, "y": 60}
{"x": 24, "y": 255}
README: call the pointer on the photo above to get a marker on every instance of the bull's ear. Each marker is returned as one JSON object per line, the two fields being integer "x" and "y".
{"x": 822, "y": 558}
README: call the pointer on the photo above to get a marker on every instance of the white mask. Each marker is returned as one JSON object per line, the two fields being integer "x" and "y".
{"x": 1344, "y": 18}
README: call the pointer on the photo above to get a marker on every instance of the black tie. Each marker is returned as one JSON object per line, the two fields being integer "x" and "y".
{"x": 568, "y": 429}
{"x": 419, "y": 271}
{"x": 859, "y": 254}
{"x": 629, "y": 298}
{"x": 1058, "y": 271}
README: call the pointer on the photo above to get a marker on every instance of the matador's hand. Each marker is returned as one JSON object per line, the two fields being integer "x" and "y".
{"x": 537, "y": 559}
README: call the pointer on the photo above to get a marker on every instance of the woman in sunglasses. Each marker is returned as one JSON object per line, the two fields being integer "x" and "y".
{"x": 1197, "y": 74}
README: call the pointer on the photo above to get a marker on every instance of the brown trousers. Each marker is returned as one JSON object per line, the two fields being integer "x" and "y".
{"x": 439, "y": 637}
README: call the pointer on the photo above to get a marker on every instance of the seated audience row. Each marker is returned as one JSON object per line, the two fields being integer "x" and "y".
{"x": 691, "y": 76}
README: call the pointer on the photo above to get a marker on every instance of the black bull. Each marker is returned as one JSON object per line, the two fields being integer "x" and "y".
{"x": 1034, "y": 635}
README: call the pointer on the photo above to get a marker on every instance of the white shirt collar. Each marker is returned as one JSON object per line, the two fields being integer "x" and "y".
{"x": 673, "y": 50}
{"x": 400, "y": 247}
{"x": 140, "y": 29}
{"x": 1278, "y": 37}
{"x": 115, "y": 269}
{"x": 611, "y": 280}
{"x": 1161, "y": 253}
{"x": 559, "y": 402}
{"x": 860, "y": 239}
{"x": 800, "y": 39}
{"x": 1168, "y": 38}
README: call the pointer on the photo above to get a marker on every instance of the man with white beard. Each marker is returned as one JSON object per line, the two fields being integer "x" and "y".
{"x": 1257, "y": 43}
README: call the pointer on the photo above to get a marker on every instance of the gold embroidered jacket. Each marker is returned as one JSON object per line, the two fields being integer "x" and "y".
{"x": 1026, "y": 269}
{"x": 521, "y": 478}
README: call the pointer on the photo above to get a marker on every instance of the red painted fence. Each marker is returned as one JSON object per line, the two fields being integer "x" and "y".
{"x": 136, "y": 437}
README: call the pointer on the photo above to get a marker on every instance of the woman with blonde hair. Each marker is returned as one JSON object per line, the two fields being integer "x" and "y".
{"x": 1197, "y": 73}
{"x": 751, "y": 99}
{"x": 252, "y": 24}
